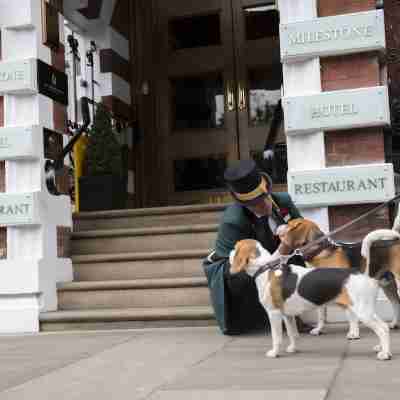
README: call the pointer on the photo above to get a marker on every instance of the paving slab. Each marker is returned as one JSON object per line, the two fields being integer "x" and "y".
{"x": 194, "y": 364}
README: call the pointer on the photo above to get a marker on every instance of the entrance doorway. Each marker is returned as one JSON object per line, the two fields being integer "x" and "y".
{"x": 217, "y": 88}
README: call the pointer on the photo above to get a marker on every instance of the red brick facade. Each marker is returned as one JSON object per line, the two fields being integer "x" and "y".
{"x": 358, "y": 146}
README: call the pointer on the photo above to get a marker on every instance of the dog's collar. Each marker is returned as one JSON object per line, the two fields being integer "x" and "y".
{"x": 272, "y": 265}
{"x": 314, "y": 251}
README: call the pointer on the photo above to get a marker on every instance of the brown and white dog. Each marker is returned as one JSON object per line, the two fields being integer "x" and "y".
{"x": 385, "y": 245}
{"x": 300, "y": 232}
{"x": 292, "y": 290}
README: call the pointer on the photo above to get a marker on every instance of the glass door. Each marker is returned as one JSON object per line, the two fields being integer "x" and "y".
{"x": 259, "y": 82}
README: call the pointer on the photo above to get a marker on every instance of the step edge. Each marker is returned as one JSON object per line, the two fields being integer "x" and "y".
{"x": 142, "y": 212}
{"x": 99, "y": 233}
{"x": 120, "y": 314}
{"x": 165, "y": 255}
{"x": 152, "y": 283}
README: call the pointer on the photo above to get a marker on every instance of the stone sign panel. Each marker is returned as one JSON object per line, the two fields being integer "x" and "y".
{"x": 372, "y": 183}
{"x": 342, "y": 109}
{"x": 18, "y": 76}
{"x": 18, "y": 142}
{"x": 18, "y": 209}
{"x": 335, "y": 35}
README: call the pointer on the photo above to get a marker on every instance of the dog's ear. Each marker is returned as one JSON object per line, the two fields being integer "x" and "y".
{"x": 291, "y": 233}
{"x": 242, "y": 253}
{"x": 314, "y": 233}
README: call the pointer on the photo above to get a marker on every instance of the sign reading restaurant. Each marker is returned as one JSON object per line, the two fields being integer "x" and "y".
{"x": 342, "y": 185}
{"x": 341, "y": 109}
{"x": 18, "y": 209}
{"x": 336, "y": 35}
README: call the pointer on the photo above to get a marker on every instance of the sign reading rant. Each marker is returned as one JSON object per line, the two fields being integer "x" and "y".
{"x": 342, "y": 109}
{"x": 18, "y": 209}
{"x": 18, "y": 76}
{"x": 342, "y": 185}
{"x": 328, "y": 36}
{"x": 18, "y": 142}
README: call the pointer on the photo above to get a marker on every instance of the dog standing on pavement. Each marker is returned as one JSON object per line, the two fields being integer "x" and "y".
{"x": 381, "y": 252}
{"x": 292, "y": 290}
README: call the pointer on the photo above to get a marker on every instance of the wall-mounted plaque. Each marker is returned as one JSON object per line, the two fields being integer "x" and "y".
{"x": 372, "y": 183}
{"x": 52, "y": 82}
{"x": 18, "y": 76}
{"x": 341, "y": 109}
{"x": 329, "y": 36}
{"x": 18, "y": 209}
{"x": 53, "y": 143}
{"x": 50, "y": 25}
{"x": 18, "y": 142}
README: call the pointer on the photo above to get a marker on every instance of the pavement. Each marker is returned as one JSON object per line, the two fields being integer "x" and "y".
{"x": 193, "y": 364}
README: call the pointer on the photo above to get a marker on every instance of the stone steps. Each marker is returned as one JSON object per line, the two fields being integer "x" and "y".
{"x": 181, "y": 237}
{"x": 129, "y": 266}
{"x": 138, "y": 269}
{"x": 147, "y": 217}
{"x": 138, "y": 293}
{"x": 126, "y": 318}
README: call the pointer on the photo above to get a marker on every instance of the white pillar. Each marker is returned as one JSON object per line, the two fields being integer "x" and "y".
{"x": 302, "y": 78}
{"x": 29, "y": 274}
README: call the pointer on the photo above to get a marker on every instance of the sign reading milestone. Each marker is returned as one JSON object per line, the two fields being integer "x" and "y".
{"x": 18, "y": 209}
{"x": 18, "y": 142}
{"x": 329, "y": 36}
{"x": 18, "y": 76}
{"x": 341, "y": 109}
{"x": 372, "y": 183}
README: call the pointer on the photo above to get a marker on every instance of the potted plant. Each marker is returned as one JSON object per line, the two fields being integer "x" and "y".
{"x": 102, "y": 187}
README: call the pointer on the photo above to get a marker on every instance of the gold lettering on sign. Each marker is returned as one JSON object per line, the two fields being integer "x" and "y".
{"x": 333, "y": 110}
{"x": 15, "y": 209}
{"x": 350, "y": 185}
{"x": 11, "y": 76}
{"x": 345, "y": 33}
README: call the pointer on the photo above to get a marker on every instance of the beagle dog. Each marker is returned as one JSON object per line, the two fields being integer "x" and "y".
{"x": 385, "y": 257}
{"x": 291, "y": 290}
{"x": 300, "y": 232}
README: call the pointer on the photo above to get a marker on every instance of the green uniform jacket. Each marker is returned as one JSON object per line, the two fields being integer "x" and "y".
{"x": 234, "y": 298}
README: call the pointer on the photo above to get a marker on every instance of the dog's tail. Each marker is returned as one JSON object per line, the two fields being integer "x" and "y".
{"x": 371, "y": 238}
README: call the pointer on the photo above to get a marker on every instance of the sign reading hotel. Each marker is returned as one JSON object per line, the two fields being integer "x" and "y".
{"x": 342, "y": 109}
{"x": 18, "y": 142}
{"x": 329, "y": 36}
{"x": 18, "y": 76}
{"x": 18, "y": 209}
{"x": 372, "y": 183}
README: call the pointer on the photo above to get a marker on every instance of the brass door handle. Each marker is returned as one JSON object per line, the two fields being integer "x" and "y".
{"x": 230, "y": 97}
{"x": 242, "y": 101}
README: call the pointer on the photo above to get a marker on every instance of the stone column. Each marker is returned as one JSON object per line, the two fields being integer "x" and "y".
{"x": 304, "y": 78}
{"x": 36, "y": 250}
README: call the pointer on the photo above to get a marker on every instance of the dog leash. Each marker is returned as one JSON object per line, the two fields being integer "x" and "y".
{"x": 283, "y": 259}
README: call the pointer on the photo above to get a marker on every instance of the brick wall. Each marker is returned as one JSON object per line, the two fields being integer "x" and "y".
{"x": 356, "y": 146}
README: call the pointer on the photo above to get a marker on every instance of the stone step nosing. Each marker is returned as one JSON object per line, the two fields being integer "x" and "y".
{"x": 144, "y": 212}
{"x": 142, "y": 284}
{"x": 129, "y": 314}
{"x": 174, "y": 230}
{"x": 145, "y": 256}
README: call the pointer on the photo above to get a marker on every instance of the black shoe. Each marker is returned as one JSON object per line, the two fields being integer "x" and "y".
{"x": 302, "y": 327}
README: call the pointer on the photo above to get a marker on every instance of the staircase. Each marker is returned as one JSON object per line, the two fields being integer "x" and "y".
{"x": 137, "y": 268}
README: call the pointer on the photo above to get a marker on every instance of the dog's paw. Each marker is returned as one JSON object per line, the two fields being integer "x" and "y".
{"x": 353, "y": 335}
{"x": 316, "y": 332}
{"x": 272, "y": 354}
{"x": 291, "y": 349}
{"x": 384, "y": 355}
{"x": 394, "y": 325}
